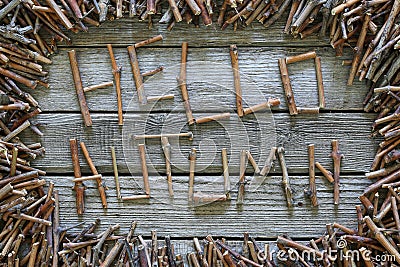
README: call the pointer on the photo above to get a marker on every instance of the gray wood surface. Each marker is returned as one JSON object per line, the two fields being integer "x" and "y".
{"x": 263, "y": 214}
{"x": 255, "y": 134}
{"x": 210, "y": 83}
{"x": 209, "y": 76}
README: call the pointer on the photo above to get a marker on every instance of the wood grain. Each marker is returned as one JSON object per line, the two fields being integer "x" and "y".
{"x": 264, "y": 212}
{"x": 210, "y": 79}
{"x": 210, "y": 84}
{"x": 256, "y": 134}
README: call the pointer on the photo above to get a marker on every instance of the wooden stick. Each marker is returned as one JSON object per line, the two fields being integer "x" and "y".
{"x": 245, "y": 247}
{"x": 365, "y": 255}
{"x": 301, "y": 57}
{"x": 242, "y": 172}
{"x": 385, "y": 208}
{"x": 320, "y": 83}
{"x": 193, "y": 260}
{"x": 99, "y": 181}
{"x": 19, "y": 193}
{"x": 263, "y": 106}
{"x": 167, "y": 154}
{"x": 236, "y": 79}
{"x": 34, "y": 251}
{"x": 98, "y": 86}
{"x": 142, "y": 152}
{"x": 194, "y": 7}
{"x": 8, "y": 8}
{"x": 386, "y": 89}
{"x": 310, "y": 31}
{"x": 135, "y": 197}
{"x": 218, "y": 117}
{"x": 287, "y": 87}
{"x": 79, "y": 88}
{"x": 149, "y": 41}
{"x": 307, "y": 110}
{"x": 119, "y": 9}
{"x": 360, "y": 225}
{"x": 60, "y": 14}
{"x": 378, "y": 156}
{"x": 17, "y": 131}
{"x": 204, "y": 13}
{"x": 79, "y": 187}
{"x": 289, "y": 243}
{"x": 277, "y": 14}
{"x": 209, "y": 252}
{"x": 293, "y": 9}
{"x": 285, "y": 177}
{"x": 113, "y": 253}
{"x": 151, "y": 6}
{"x": 311, "y": 170}
{"x": 115, "y": 168}
{"x": 160, "y": 98}
{"x": 395, "y": 184}
{"x": 16, "y": 106}
{"x": 76, "y": 9}
{"x": 381, "y": 238}
{"x": 338, "y": 9}
{"x": 252, "y": 251}
{"x": 327, "y": 174}
{"x": 56, "y": 227}
{"x": 145, "y": 136}
{"x": 14, "y": 76}
{"x": 5, "y": 190}
{"x": 199, "y": 197}
{"x": 227, "y": 181}
{"x": 175, "y": 10}
{"x": 136, "y": 75}
{"x": 19, "y": 178}
{"x": 237, "y": 255}
{"x": 252, "y": 162}
{"x": 87, "y": 178}
{"x": 9, "y": 239}
{"x": 192, "y": 167}
{"x": 183, "y": 86}
{"x": 214, "y": 247}
{"x": 395, "y": 212}
{"x": 358, "y": 49}
{"x": 337, "y": 157}
{"x": 152, "y": 72}
{"x": 154, "y": 247}
{"x": 382, "y": 172}
{"x": 96, "y": 249}
{"x": 13, "y": 165}
{"x": 369, "y": 207}
{"x": 222, "y": 12}
{"x": 31, "y": 218}
{"x": 117, "y": 78}
{"x": 143, "y": 255}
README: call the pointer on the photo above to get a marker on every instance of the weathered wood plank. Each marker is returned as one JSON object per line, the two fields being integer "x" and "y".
{"x": 264, "y": 213}
{"x": 209, "y": 76}
{"x": 127, "y": 31}
{"x": 256, "y": 134}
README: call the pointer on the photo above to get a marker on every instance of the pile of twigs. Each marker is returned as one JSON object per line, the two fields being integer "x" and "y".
{"x": 26, "y": 209}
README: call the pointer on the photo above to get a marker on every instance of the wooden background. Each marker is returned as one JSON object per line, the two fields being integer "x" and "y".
{"x": 264, "y": 213}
